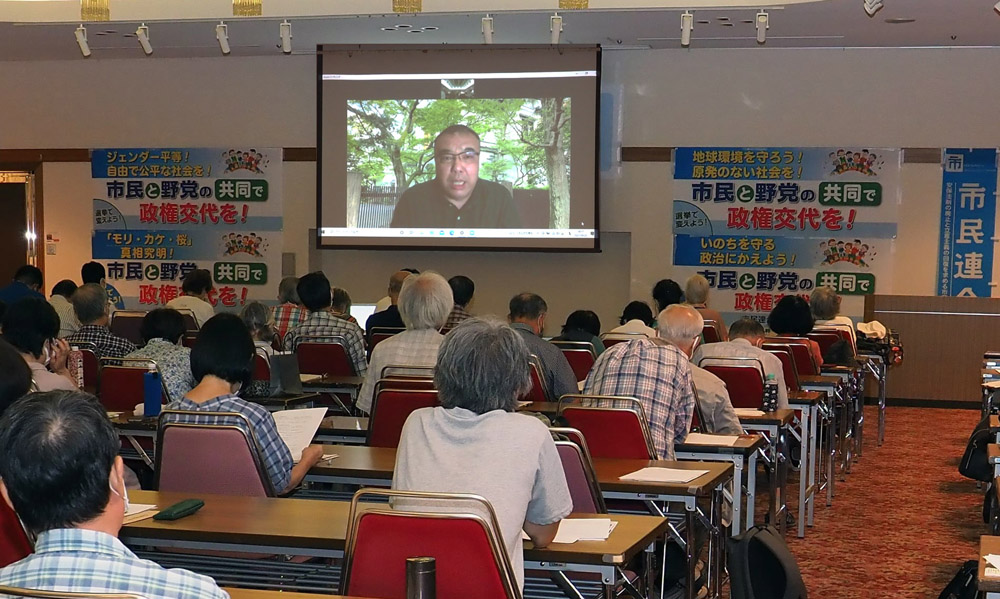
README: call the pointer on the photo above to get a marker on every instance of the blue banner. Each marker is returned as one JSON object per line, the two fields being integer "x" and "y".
{"x": 968, "y": 218}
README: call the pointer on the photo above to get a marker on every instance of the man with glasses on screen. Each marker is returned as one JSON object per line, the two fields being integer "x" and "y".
{"x": 456, "y": 198}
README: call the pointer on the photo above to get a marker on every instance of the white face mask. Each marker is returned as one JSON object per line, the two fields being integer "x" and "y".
{"x": 123, "y": 494}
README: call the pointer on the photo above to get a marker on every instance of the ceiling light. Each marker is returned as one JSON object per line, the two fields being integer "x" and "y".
{"x": 81, "y": 40}
{"x": 222, "y": 34}
{"x": 487, "y": 29}
{"x": 285, "y": 33}
{"x": 872, "y": 7}
{"x": 687, "y": 26}
{"x": 555, "y": 28}
{"x": 762, "y": 27}
{"x": 142, "y": 34}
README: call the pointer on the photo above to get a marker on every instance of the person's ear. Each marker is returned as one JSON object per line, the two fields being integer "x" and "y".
{"x": 118, "y": 472}
{"x": 6, "y": 495}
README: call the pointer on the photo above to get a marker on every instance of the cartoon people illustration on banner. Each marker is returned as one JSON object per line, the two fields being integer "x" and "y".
{"x": 864, "y": 162}
{"x": 250, "y": 160}
{"x": 252, "y": 244}
{"x": 853, "y": 252}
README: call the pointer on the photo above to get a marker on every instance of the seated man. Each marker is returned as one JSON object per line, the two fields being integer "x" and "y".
{"x": 655, "y": 372}
{"x": 424, "y": 303}
{"x": 60, "y": 300}
{"x": 636, "y": 318}
{"x": 314, "y": 291}
{"x": 90, "y": 302}
{"x": 527, "y": 316}
{"x": 475, "y": 442}
{"x": 389, "y": 318}
{"x": 745, "y": 336}
{"x": 63, "y": 476}
{"x": 196, "y": 289}
{"x": 27, "y": 283}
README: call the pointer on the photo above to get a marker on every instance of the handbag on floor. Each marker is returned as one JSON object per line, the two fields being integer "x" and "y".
{"x": 963, "y": 585}
{"x": 762, "y": 567}
{"x": 975, "y": 463}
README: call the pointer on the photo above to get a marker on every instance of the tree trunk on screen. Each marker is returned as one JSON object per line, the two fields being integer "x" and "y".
{"x": 353, "y": 198}
{"x": 554, "y": 118}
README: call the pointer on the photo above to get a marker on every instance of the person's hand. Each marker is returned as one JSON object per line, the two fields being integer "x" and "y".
{"x": 58, "y": 354}
{"x": 311, "y": 454}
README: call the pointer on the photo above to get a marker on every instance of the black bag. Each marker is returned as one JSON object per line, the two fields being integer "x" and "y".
{"x": 762, "y": 567}
{"x": 975, "y": 463}
{"x": 963, "y": 585}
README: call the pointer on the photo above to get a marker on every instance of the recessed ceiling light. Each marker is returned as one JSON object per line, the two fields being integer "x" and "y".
{"x": 900, "y": 20}
{"x": 703, "y": 22}
{"x": 722, "y": 19}
{"x": 388, "y": 29}
{"x": 129, "y": 35}
{"x": 403, "y": 26}
{"x": 430, "y": 28}
{"x": 747, "y": 21}
{"x": 416, "y": 31}
{"x": 101, "y": 33}
{"x": 726, "y": 24}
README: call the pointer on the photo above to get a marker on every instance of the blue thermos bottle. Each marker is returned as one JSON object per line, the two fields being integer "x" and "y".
{"x": 152, "y": 393}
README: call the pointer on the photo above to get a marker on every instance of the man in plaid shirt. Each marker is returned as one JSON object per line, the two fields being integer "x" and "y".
{"x": 314, "y": 291}
{"x": 90, "y": 302}
{"x": 657, "y": 373}
{"x": 63, "y": 476}
{"x": 462, "y": 288}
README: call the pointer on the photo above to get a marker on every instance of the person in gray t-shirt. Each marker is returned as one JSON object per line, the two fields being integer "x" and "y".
{"x": 475, "y": 443}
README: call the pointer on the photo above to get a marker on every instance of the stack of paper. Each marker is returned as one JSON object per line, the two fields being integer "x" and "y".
{"x": 703, "y": 439}
{"x": 308, "y": 378}
{"x": 993, "y": 569}
{"x": 748, "y": 412}
{"x": 572, "y": 530}
{"x": 298, "y": 427}
{"x": 139, "y": 511}
{"x": 992, "y": 384}
{"x": 663, "y": 475}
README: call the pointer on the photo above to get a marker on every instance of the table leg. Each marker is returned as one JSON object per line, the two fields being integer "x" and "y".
{"x": 736, "y": 522}
{"x": 781, "y": 464}
{"x": 882, "y": 382}
{"x": 813, "y": 456}
{"x": 692, "y": 557}
{"x": 751, "y": 488}
{"x": 804, "y": 459}
{"x": 718, "y": 558}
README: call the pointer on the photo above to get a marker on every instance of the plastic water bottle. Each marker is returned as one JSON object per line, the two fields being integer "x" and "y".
{"x": 770, "y": 394}
{"x": 152, "y": 393}
{"x": 75, "y": 363}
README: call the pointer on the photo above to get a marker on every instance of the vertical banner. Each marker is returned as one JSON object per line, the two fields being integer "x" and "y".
{"x": 763, "y": 223}
{"x": 159, "y": 213}
{"x": 968, "y": 219}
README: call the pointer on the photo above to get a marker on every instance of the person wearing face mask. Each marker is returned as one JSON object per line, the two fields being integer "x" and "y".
{"x": 222, "y": 363}
{"x": 31, "y": 325}
{"x": 62, "y": 474}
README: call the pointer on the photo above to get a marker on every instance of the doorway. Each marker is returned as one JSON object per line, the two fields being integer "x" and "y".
{"x": 17, "y": 223}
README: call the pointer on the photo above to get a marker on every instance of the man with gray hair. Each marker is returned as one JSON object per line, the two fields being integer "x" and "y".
{"x": 474, "y": 442}
{"x": 655, "y": 372}
{"x": 90, "y": 302}
{"x": 425, "y": 300}
{"x": 528, "y": 312}
{"x": 745, "y": 336}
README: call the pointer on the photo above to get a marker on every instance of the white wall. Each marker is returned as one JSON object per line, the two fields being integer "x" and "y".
{"x": 879, "y": 97}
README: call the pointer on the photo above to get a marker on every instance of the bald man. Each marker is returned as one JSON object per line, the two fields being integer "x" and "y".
{"x": 389, "y": 318}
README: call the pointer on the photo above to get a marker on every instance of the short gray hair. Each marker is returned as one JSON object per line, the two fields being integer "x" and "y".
{"x": 287, "y": 292}
{"x": 696, "y": 289}
{"x": 425, "y": 301}
{"x": 678, "y": 323}
{"x": 482, "y": 366}
{"x": 259, "y": 319}
{"x": 90, "y": 302}
{"x": 825, "y": 303}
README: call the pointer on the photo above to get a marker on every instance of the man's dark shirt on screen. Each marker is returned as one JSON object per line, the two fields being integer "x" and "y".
{"x": 424, "y": 205}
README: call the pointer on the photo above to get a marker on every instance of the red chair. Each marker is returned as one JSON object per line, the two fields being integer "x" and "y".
{"x": 466, "y": 544}
{"x": 788, "y": 369}
{"x": 710, "y": 332}
{"x": 404, "y": 384}
{"x": 261, "y": 367}
{"x": 14, "y": 542}
{"x": 407, "y": 371}
{"x": 325, "y": 356}
{"x": 697, "y": 416}
{"x": 615, "y": 427}
{"x": 127, "y": 324}
{"x": 580, "y": 355}
{"x": 539, "y": 388}
{"x": 189, "y": 338}
{"x": 579, "y": 469}
{"x": 744, "y": 378}
{"x": 390, "y": 409}
{"x": 805, "y": 364}
{"x": 209, "y": 452}
{"x": 190, "y": 322}
{"x": 842, "y": 333}
{"x": 379, "y": 334}
{"x": 120, "y": 388}
{"x": 91, "y": 366}
{"x": 825, "y": 339}
{"x": 610, "y": 339}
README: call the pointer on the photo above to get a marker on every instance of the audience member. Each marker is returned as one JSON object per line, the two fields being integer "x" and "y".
{"x": 746, "y": 335}
{"x": 90, "y": 302}
{"x": 63, "y": 476}
{"x": 386, "y": 301}
{"x": 222, "y": 363}
{"x": 195, "y": 290}
{"x": 289, "y": 313}
{"x": 791, "y": 317}
{"x": 475, "y": 442}
{"x": 15, "y": 376}
{"x": 424, "y": 303}
{"x": 27, "y": 283}
{"x": 527, "y": 316}
{"x": 462, "y": 288}
{"x": 584, "y": 326}
{"x": 636, "y": 318}
{"x": 162, "y": 330}
{"x": 655, "y": 372}
{"x": 314, "y": 291}
{"x": 60, "y": 300}
{"x": 667, "y": 292}
{"x": 696, "y": 294}
{"x": 31, "y": 326}
{"x": 94, "y": 272}
{"x": 341, "y": 306}
{"x": 260, "y": 323}
{"x": 825, "y": 305}
{"x": 389, "y": 318}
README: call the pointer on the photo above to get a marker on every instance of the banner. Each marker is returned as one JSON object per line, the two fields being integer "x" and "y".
{"x": 968, "y": 219}
{"x": 762, "y": 223}
{"x": 159, "y": 213}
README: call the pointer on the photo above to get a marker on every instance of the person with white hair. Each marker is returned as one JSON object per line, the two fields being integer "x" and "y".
{"x": 825, "y": 305}
{"x": 424, "y": 303}
{"x": 696, "y": 295}
{"x": 657, "y": 373}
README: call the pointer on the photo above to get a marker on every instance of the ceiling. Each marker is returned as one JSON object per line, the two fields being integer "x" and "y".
{"x": 825, "y": 24}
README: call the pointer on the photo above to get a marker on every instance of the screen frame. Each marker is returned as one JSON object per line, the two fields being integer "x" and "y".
{"x": 321, "y": 49}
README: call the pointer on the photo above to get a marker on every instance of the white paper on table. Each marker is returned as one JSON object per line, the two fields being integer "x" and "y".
{"x": 572, "y": 530}
{"x": 521, "y": 404}
{"x": 308, "y": 378}
{"x": 663, "y": 475}
{"x": 298, "y": 427}
{"x": 992, "y": 384}
{"x": 138, "y": 508}
{"x": 993, "y": 560}
{"x": 748, "y": 412}
{"x": 703, "y": 439}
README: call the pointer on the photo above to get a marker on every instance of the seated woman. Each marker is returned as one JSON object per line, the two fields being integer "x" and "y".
{"x": 341, "y": 306}
{"x": 583, "y": 325}
{"x": 162, "y": 330}
{"x": 474, "y": 442}
{"x": 260, "y": 322}
{"x": 791, "y": 317}
{"x": 696, "y": 294}
{"x": 31, "y": 325}
{"x": 825, "y": 305}
{"x": 636, "y": 318}
{"x": 221, "y": 361}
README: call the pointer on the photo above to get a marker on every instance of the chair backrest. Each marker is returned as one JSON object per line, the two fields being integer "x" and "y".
{"x": 744, "y": 378}
{"x": 615, "y": 427}
{"x": 326, "y": 355}
{"x": 190, "y": 322}
{"x": 580, "y": 355}
{"x": 579, "y": 469}
{"x": 407, "y": 371}
{"x": 261, "y": 367}
{"x": 189, "y": 338}
{"x": 710, "y": 332}
{"x": 791, "y": 374}
{"x": 404, "y": 383}
{"x": 14, "y": 542}
{"x": 843, "y": 332}
{"x": 91, "y": 369}
{"x": 825, "y": 339}
{"x": 539, "y": 387}
{"x": 698, "y": 420}
{"x": 210, "y": 452}
{"x": 379, "y": 334}
{"x": 127, "y": 324}
{"x": 121, "y": 387}
{"x": 390, "y": 409}
{"x": 466, "y": 544}
{"x": 805, "y": 364}
{"x": 610, "y": 339}
{"x": 7, "y": 591}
